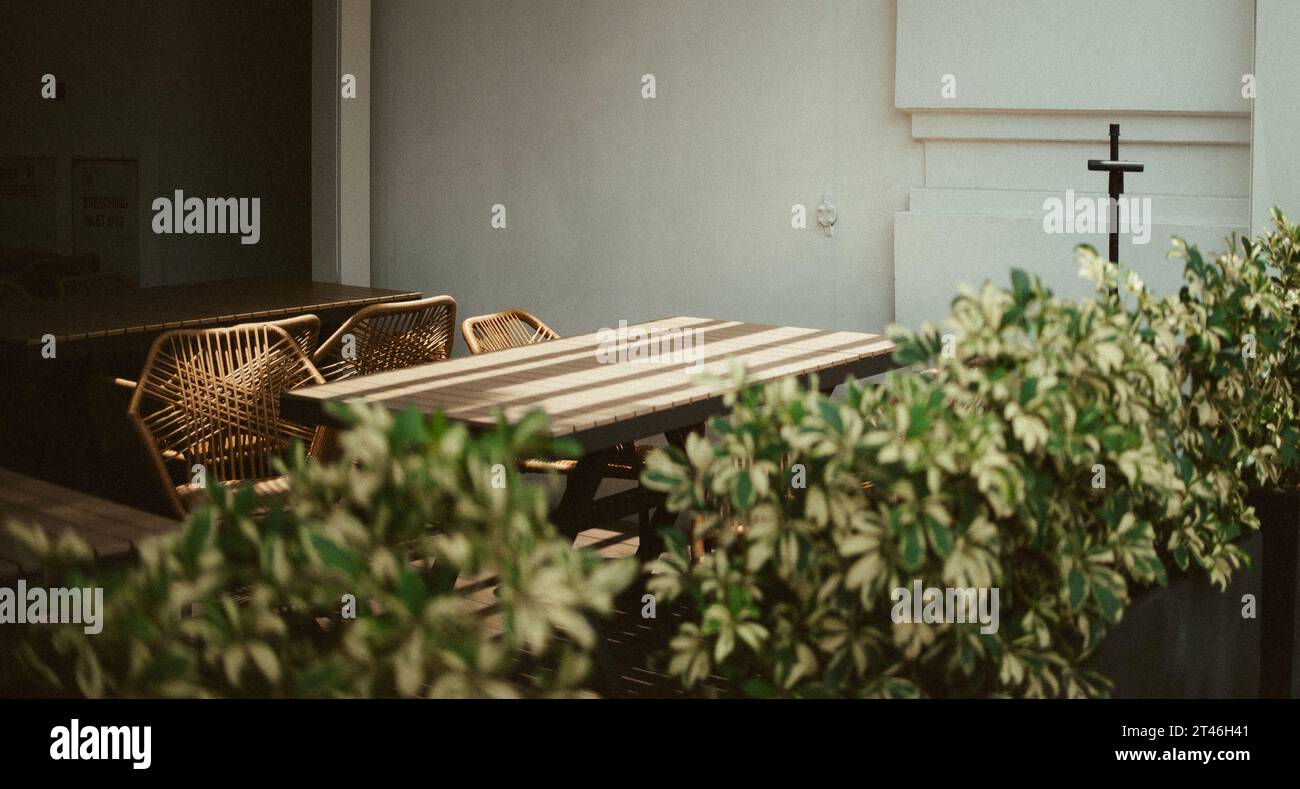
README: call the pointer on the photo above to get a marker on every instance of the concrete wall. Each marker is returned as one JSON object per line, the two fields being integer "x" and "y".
{"x": 354, "y": 144}
{"x": 1036, "y": 86}
{"x": 622, "y": 207}
{"x": 211, "y": 98}
{"x": 1275, "y": 165}
{"x": 326, "y": 93}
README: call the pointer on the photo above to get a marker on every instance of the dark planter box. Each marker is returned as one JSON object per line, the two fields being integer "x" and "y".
{"x": 1189, "y": 640}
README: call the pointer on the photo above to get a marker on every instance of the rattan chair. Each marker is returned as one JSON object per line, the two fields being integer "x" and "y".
{"x": 304, "y": 329}
{"x": 385, "y": 337}
{"x": 506, "y": 329}
{"x": 12, "y": 290}
{"x": 211, "y": 398}
{"x": 514, "y": 327}
{"x": 94, "y": 282}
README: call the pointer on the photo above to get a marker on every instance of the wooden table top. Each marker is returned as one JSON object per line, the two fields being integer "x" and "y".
{"x": 601, "y": 403}
{"x": 146, "y": 310}
{"x": 112, "y": 530}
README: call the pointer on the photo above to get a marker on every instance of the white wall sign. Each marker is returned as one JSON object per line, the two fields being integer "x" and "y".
{"x": 28, "y": 209}
{"x": 106, "y": 213}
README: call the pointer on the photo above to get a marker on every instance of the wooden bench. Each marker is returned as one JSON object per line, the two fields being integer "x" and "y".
{"x": 112, "y": 530}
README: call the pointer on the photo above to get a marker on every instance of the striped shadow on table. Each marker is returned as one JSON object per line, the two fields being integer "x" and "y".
{"x": 598, "y": 400}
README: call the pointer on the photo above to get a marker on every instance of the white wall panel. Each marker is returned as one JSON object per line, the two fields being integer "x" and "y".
{"x": 1034, "y": 99}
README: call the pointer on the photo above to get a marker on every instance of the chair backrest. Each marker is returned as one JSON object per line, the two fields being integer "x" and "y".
{"x": 304, "y": 329}
{"x": 12, "y": 290}
{"x": 94, "y": 282}
{"x": 389, "y": 337}
{"x": 506, "y": 329}
{"x": 211, "y": 398}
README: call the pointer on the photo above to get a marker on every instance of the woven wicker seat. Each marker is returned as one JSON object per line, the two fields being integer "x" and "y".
{"x": 266, "y": 490}
{"x": 622, "y": 467}
{"x": 385, "y": 337}
{"x": 94, "y": 282}
{"x": 211, "y": 398}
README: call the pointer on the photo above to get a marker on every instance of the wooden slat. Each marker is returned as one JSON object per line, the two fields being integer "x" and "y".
{"x": 111, "y": 530}
{"x": 94, "y": 315}
{"x": 565, "y": 378}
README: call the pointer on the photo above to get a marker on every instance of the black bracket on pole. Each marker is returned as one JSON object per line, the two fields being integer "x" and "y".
{"x": 1116, "y": 168}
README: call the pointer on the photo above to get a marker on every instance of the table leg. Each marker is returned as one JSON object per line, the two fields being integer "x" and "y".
{"x": 573, "y": 513}
{"x": 577, "y": 505}
{"x": 649, "y": 542}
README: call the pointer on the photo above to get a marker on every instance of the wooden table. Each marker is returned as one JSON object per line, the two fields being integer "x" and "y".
{"x": 112, "y": 530}
{"x": 599, "y": 403}
{"x": 144, "y": 312}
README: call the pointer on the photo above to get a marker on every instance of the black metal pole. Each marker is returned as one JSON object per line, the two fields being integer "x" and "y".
{"x": 1115, "y": 168}
{"x": 1116, "y": 189}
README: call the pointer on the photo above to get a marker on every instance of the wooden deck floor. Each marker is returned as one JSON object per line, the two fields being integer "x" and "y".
{"x": 628, "y": 639}
{"x": 612, "y": 544}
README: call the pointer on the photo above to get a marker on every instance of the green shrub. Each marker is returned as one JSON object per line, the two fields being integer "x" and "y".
{"x": 986, "y": 473}
{"x": 1280, "y": 249}
{"x": 266, "y": 594}
{"x": 1234, "y": 361}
